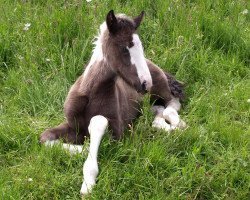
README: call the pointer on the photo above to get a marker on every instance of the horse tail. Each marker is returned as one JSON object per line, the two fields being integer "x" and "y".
{"x": 176, "y": 87}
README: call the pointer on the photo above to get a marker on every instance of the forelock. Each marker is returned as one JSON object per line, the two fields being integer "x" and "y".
{"x": 125, "y": 22}
{"x": 122, "y": 15}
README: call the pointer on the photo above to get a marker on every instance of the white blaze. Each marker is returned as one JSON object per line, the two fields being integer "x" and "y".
{"x": 138, "y": 59}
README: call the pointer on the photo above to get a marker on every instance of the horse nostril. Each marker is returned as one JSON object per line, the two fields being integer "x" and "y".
{"x": 144, "y": 84}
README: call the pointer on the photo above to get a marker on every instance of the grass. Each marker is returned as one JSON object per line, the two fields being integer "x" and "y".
{"x": 206, "y": 44}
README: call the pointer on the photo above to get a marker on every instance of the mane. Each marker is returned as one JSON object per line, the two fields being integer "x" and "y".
{"x": 97, "y": 51}
{"x": 123, "y": 16}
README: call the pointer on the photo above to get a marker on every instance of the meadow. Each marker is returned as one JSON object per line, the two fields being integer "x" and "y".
{"x": 44, "y": 47}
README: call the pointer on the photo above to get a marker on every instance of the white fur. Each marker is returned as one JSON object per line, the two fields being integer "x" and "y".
{"x": 71, "y": 148}
{"x": 97, "y": 127}
{"x": 158, "y": 110}
{"x": 138, "y": 59}
{"x": 97, "y": 52}
{"x": 136, "y": 54}
{"x": 172, "y": 116}
{"x": 51, "y": 143}
{"x": 159, "y": 122}
{"x": 175, "y": 103}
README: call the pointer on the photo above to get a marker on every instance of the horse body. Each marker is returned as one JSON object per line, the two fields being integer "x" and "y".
{"x": 104, "y": 93}
{"x": 110, "y": 90}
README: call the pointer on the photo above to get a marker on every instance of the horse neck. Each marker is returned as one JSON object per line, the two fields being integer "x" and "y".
{"x": 100, "y": 76}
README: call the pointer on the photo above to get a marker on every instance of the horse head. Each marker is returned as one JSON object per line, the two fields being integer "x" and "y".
{"x": 123, "y": 50}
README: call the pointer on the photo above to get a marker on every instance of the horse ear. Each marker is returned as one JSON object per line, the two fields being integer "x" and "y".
{"x": 138, "y": 19}
{"x": 111, "y": 22}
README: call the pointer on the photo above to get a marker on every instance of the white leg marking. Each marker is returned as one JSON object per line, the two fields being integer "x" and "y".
{"x": 97, "y": 127}
{"x": 172, "y": 116}
{"x": 51, "y": 143}
{"x": 71, "y": 148}
{"x": 138, "y": 59}
{"x": 159, "y": 122}
{"x": 175, "y": 103}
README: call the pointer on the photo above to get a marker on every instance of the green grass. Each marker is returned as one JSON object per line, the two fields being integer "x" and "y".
{"x": 206, "y": 44}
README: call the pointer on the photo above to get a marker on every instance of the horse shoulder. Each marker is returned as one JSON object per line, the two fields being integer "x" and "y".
{"x": 77, "y": 98}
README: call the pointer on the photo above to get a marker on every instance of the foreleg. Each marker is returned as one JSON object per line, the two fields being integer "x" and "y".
{"x": 172, "y": 116}
{"x": 159, "y": 121}
{"x": 97, "y": 127}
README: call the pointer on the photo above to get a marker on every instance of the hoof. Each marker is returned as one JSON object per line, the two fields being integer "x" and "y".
{"x": 47, "y": 136}
{"x": 171, "y": 115}
{"x": 160, "y": 123}
{"x": 85, "y": 196}
{"x": 182, "y": 125}
{"x": 86, "y": 189}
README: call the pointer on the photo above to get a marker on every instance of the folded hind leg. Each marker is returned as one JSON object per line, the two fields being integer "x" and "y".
{"x": 64, "y": 132}
{"x": 51, "y": 137}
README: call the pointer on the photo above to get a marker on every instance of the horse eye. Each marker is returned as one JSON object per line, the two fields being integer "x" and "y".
{"x": 125, "y": 50}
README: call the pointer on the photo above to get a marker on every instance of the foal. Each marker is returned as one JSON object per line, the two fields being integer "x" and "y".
{"x": 108, "y": 93}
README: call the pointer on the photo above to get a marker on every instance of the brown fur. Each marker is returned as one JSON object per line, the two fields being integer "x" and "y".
{"x": 111, "y": 88}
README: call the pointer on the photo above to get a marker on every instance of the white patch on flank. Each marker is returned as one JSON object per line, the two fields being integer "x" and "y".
{"x": 159, "y": 122}
{"x": 138, "y": 59}
{"x": 71, "y": 148}
{"x": 97, "y": 52}
{"x": 97, "y": 127}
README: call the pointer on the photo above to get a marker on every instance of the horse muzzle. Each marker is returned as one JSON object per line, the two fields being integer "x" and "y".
{"x": 147, "y": 84}
{"x": 145, "y": 87}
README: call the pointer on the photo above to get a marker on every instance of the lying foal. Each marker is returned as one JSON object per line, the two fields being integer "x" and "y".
{"x": 109, "y": 92}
